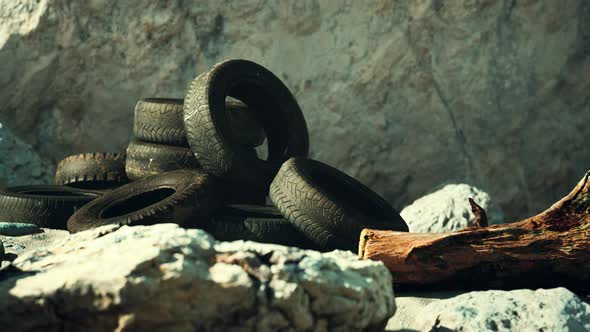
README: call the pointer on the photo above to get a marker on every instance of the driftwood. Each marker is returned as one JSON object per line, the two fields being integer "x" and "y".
{"x": 550, "y": 249}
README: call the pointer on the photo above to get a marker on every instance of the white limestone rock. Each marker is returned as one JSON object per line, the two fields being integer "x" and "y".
{"x": 448, "y": 210}
{"x": 163, "y": 278}
{"x": 555, "y": 309}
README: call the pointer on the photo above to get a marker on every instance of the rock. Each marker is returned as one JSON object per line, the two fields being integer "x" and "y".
{"x": 555, "y": 309}
{"x": 410, "y": 305}
{"x": 18, "y": 245}
{"x": 18, "y": 229}
{"x": 403, "y": 95}
{"x": 20, "y": 164}
{"x": 448, "y": 210}
{"x": 164, "y": 277}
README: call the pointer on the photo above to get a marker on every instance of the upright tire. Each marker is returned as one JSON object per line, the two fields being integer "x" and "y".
{"x": 257, "y": 223}
{"x": 160, "y": 120}
{"x": 209, "y": 134}
{"x": 328, "y": 206}
{"x": 93, "y": 171}
{"x": 146, "y": 159}
{"x": 185, "y": 197}
{"x": 47, "y": 206}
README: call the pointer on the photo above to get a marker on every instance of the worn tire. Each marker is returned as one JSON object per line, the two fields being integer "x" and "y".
{"x": 235, "y": 193}
{"x": 328, "y": 206}
{"x": 185, "y": 197}
{"x": 94, "y": 171}
{"x": 160, "y": 120}
{"x": 209, "y": 134}
{"x": 47, "y": 206}
{"x": 146, "y": 159}
{"x": 259, "y": 223}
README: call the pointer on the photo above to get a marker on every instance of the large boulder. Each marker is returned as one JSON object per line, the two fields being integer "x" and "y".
{"x": 166, "y": 278}
{"x": 448, "y": 210}
{"x": 555, "y": 309}
{"x": 404, "y": 95}
{"x": 19, "y": 163}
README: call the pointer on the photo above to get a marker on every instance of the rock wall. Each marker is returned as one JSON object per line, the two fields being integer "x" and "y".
{"x": 19, "y": 163}
{"x": 404, "y": 95}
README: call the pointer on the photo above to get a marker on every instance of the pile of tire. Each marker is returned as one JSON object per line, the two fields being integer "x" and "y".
{"x": 194, "y": 162}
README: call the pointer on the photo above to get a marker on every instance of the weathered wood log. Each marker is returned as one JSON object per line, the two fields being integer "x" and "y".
{"x": 548, "y": 250}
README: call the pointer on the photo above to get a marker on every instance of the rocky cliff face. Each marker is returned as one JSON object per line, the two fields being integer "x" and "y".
{"x": 404, "y": 95}
{"x": 19, "y": 163}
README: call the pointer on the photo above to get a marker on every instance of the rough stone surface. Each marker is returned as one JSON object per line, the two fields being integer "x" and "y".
{"x": 18, "y": 229}
{"x": 163, "y": 278}
{"x": 448, "y": 210}
{"x": 404, "y": 95}
{"x": 15, "y": 246}
{"x": 555, "y": 309}
{"x": 19, "y": 162}
{"x": 18, "y": 245}
{"x": 410, "y": 307}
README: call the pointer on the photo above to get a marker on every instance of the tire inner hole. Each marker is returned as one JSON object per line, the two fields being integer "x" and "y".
{"x": 347, "y": 193}
{"x": 246, "y": 129}
{"x": 52, "y": 193}
{"x": 137, "y": 202}
{"x": 94, "y": 185}
{"x": 269, "y": 113}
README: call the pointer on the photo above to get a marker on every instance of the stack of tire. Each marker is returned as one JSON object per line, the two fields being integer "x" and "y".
{"x": 194, "y": 163}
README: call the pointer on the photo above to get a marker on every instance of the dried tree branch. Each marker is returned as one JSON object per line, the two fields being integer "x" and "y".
{"x": 481, "y": 220}
{"x": 548, "y": 250}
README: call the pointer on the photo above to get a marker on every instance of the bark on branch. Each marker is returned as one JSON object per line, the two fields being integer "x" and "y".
{"x": 548, "y": 250}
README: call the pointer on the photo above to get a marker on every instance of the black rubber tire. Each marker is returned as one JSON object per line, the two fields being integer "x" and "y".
{"x": 94, "y": 171}
{"x": 209, "y": 134}
{"x": 259, "y": 223}
{"x": 47, "y": 206}
{"x": 328, "y": 206}
{"x": 146, "y": 159}
{"x": 185, "y": 197}
{"x": 160, "y": 120}
{"x": 235, "y": 193}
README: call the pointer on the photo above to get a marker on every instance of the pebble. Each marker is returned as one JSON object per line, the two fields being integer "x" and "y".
{"x": 18, "y": 229}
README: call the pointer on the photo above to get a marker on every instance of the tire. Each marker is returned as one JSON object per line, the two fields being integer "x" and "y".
{"x": 146, "y": 159}
{"x": 47, "y": 206}
{"x": 328, "y": 206}
{"x": 94, "y": 171}
{"x": 160, "y": 120}
{"x": 257, "y": 223}
{"x": 209, "y": 134}
{"x": 185, "y": 197}
{"x": 236, "y": 193}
